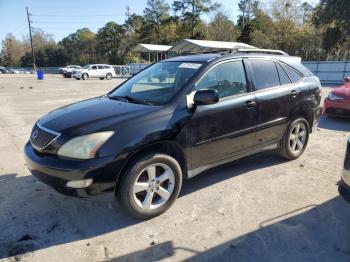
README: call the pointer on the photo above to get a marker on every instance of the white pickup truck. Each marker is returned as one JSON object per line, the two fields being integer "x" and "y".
{"x": 100, "y": 71}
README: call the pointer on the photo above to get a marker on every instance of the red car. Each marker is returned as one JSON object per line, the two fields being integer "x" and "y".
{"x": 338, "y": 101}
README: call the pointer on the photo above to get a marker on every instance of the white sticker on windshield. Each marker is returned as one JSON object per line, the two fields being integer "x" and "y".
{"x": 190, "y": 65}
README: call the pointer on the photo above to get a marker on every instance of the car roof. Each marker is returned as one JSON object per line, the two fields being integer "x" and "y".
{"x": 293, "y": 61}
{"x": 194, "y": 58}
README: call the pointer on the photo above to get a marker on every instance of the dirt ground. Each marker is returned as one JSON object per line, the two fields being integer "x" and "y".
{"x": 260, "y": 208}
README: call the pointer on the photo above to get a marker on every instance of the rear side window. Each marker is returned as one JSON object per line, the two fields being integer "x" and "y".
{"x": 100, "y": 67}
{"x": 265, "y": 74}
{"x": 107, "y": 67}
{"x": 284, "y": 79}
{"x": 294, "y": 75}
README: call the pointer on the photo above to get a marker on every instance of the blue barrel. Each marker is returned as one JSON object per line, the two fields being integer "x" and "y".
{"x": 40, "y": 74}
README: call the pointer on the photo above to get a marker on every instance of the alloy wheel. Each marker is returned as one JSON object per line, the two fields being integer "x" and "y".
{"x": 297, "y": 137}
{"x": 154, "y": 186}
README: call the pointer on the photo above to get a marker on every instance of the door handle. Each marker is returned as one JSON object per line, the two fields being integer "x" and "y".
{"x": 294, "y": 93}
{"x": 249, "y": 104}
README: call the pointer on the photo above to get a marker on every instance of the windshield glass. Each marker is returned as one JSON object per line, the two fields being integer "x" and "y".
{"x": 158, "y": 83}
{"x": 86, "y": 67}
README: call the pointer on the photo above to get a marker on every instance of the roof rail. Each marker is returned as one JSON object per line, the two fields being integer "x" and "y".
{"x": 264, "y": 51}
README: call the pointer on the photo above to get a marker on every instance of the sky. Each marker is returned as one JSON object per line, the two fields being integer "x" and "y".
{"x": 60, "y": 18}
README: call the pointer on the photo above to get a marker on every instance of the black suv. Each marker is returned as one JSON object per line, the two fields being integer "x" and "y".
{"x": 173, "y": 120}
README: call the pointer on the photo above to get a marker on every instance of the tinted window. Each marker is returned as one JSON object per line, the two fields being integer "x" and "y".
{"x": 264, "y": 73}
{"x": 158, "y": 83}
{"x": 107, "y": 67}
{"x": 294, "y": 75}
{"x": 227, "y": 78}
{"x": 100, "y": 67}
{"x": 94, "y": 67}
{"x": 284, "y": 79}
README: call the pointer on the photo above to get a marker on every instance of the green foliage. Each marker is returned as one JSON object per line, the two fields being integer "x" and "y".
{"x": 221, "y": 28}
{"x": 191, "y": 10}
{"x": 314, "y": 33}
{"x": 332, "y": 18}
{"x": 80, "y": 46}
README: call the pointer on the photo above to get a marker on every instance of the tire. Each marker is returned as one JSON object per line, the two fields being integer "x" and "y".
{"x": 77, "y": 78}
{"x": 109, "y": 76}
{"x": 293, "y": 143}
{"x": 85, "y": 76}
{"x": 101, "y": 78}
{"x": 140, "y": 169}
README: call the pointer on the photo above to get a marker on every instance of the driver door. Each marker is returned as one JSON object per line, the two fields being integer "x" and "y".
{"x": 93, "y": 71}
{"x": 227, "y": 128}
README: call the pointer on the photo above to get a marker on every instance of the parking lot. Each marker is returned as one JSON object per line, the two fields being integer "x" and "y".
{"x": 260, "y": 208}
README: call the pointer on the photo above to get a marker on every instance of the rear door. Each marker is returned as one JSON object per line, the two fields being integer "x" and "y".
{"x": 224, "y": 129}
{"x": 276, "y": 97}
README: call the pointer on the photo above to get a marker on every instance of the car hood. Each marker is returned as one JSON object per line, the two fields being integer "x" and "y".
{"x": 343, "y": 91}
{"x": 93, "y": 115}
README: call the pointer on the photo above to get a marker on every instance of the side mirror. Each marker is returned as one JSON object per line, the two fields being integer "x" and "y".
{"x": 206, "y": 97}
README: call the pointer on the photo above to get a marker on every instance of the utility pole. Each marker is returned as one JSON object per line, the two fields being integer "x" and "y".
{"x": 31, "y": 38}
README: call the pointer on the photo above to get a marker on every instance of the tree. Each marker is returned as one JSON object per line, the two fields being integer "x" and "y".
{"x": 156, "y": 13}
{"x": 12, "y": 50}
{"x": 191, "y": 10}
{"x": 247, "y": 8}
{"x": 221, "y": 28}
{"x": 109, "y": 39}
{"x": 80, "y": 46}
{"x": 333, "y": 19}
{"x": 49, "y": 55}
{"x": 287, "y": 20}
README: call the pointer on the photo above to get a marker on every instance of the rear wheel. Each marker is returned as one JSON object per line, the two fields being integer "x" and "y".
{"x": 150, "y": 185}
{"x": 101, "y": 78}
{"x": 109, "y": 76}
{"x": 85, "y": 77}
{"x": 295, "y": 139}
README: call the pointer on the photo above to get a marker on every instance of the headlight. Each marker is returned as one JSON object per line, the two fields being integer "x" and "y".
{"x": 84, "y": 147}
{"x": 332, "y": 96}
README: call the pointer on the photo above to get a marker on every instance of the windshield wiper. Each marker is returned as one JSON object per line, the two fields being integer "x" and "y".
{"x": 131, "y": 99}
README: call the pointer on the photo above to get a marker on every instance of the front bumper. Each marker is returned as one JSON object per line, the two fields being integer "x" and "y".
{"x": 67, "y": 74}
{"x": 77, "y": 74}
{"x": 56, "y": 172}
{"x": 337, "y": 107}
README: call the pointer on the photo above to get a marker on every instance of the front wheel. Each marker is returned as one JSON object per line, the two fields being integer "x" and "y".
{"x": 85, "y": 77}
{"x": 150, "y": 185}
{"x": 101, "y": 78}
{"x": 295, "y": 139}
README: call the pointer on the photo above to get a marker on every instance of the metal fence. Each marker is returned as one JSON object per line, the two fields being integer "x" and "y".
{"x": 329, "y": 72}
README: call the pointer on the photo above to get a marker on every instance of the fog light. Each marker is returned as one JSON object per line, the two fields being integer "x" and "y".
{"x": 79, "y": 183}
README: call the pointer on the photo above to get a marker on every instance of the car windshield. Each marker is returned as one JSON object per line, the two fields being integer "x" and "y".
{"x": 156, "y": 84}
{"x": 86, "y": 67}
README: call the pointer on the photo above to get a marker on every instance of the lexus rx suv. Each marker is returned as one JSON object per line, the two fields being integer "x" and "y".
{"x": 173, "y": 120}
{"x": 94, "y": 71}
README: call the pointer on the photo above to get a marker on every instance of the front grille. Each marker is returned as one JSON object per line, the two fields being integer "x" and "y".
{"x": 41, "y": 137}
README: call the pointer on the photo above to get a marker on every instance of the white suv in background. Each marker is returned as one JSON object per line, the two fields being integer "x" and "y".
{"x": 100, "y": 71}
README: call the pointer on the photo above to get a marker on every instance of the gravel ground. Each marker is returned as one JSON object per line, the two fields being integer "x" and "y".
{"x": 260, "y": 208}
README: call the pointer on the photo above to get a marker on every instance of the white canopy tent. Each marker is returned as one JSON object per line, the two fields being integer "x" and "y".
{"x": 150, "y": 48}
{"x": 206, "y": 46}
